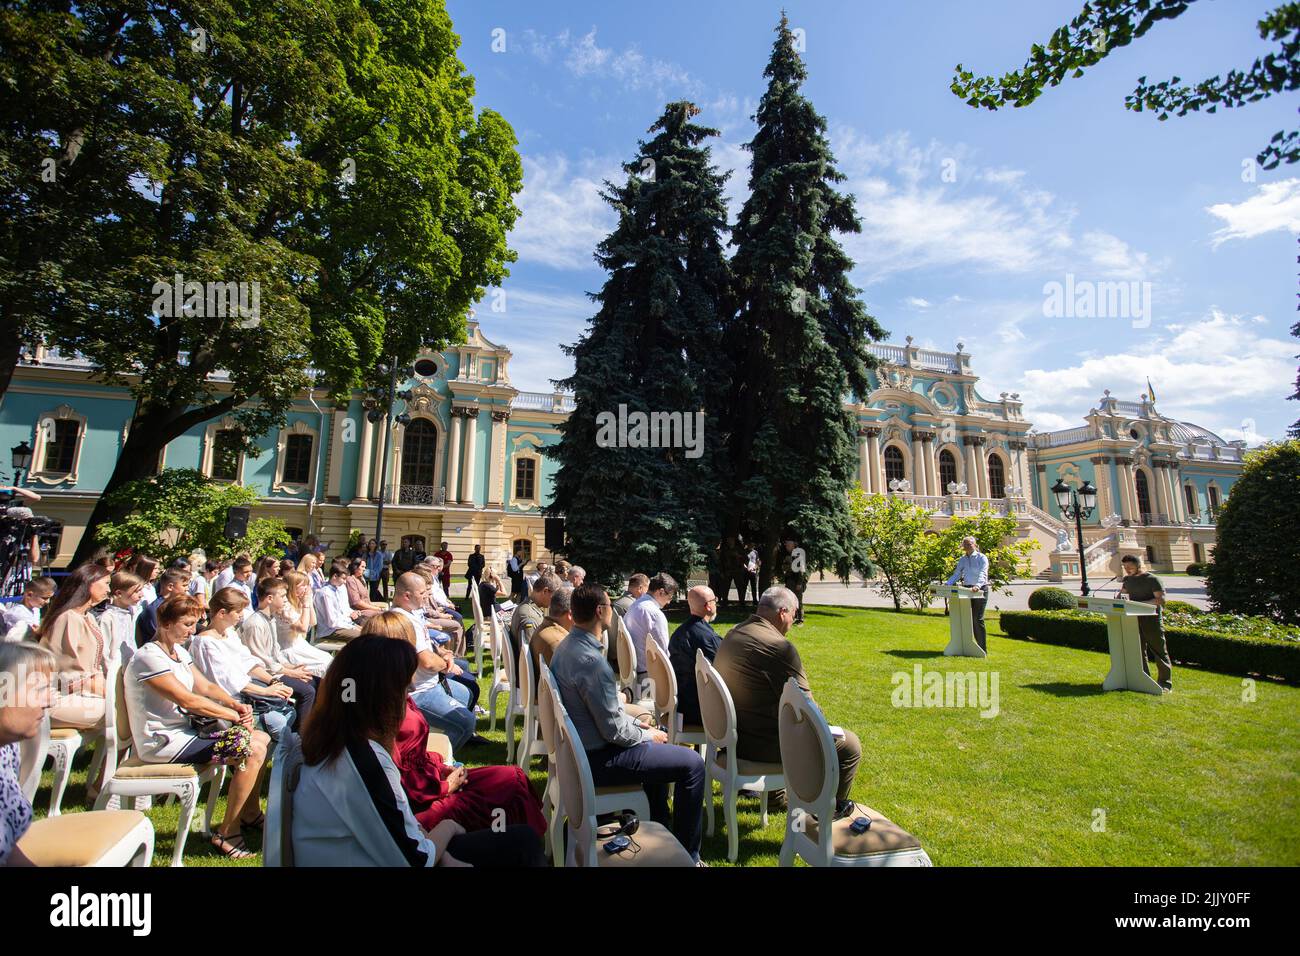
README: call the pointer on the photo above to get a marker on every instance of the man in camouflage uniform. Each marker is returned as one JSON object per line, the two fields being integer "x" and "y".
{"x": 794, "y": 573}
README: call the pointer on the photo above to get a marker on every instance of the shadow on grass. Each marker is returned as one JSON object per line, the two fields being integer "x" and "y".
{"x": 1062, "y": 689}
{"x": 914, "y": 654}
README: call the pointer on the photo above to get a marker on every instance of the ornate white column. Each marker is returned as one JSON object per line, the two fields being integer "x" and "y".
{"x": 361, "y": 487}
{"x": 874, "y": 483}
{"x": 1162, "y": 488}
{"x": 497, "y": 459}
{"x": 471, "y": 448}
{"x": 1099, "y": 465}
{"x": 453, "y": 457}
{"x": 1128, "y": 508}
{"x": 334, "y": 479}
{"x": 972, "y": 467}
{"x": 864, "y": 475}
{"x": 927, "y": 458}
{"x": 982, "y": 461}
{"x": 918, "y": 465}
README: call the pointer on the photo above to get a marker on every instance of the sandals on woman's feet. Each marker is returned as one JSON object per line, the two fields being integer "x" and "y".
{"x": 253, "y": 824}
{"x": 232, "y": 847}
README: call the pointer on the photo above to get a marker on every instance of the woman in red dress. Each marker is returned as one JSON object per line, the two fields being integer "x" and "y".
{"x": 437, "y": 791}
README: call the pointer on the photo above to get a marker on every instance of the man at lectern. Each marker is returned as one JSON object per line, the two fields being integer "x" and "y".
{"x": 973, "y": 571}
{"x": 1140, "y": 585}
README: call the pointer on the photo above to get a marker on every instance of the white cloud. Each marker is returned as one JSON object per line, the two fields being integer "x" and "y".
{"x": 562, "y": 217}
{"x": 584, "y": 57}
{"x": 917, "y": 303}
{"x": 1274, "y": 206}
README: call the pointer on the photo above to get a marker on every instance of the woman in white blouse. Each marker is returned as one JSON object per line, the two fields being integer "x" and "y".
{"x": 295, "y": 622}
{"x": 221, "y": 656}
{"x": 162, "y": 687}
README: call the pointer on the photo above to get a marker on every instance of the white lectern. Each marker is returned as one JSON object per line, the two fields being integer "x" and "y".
{"x": 1126, "y": 670}
{"x": 961, "y": 622}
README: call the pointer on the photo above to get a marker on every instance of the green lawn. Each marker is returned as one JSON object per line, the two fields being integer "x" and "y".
{"x": 1197, "y": 777}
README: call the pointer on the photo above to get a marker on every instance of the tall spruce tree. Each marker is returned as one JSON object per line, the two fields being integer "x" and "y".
{"x": 654, "y": 347}
{"x": 801, "y": 335}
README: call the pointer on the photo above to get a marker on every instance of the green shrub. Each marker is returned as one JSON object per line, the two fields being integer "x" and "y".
{"x": 1052, "y": 599}
{"x": 1226, "y": 653}
{"x": 1182, "y": 607}
{"x": 1198, "y": 570}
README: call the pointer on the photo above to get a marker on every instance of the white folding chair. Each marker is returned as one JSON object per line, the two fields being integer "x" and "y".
{"x": 133, "y": 777}
{"x": 480, "y": 629}
{"x": 503, "y": 679}
{"x": 663, "y": 688}
{"x": 61, "y": 744}
{"x": 530, "y": 742}
{"x": 720, "y": 760}
{"x": 812, "y": 776}
{"x": 625, "y": 651}
{"x": 277, "y": 846}
{"x": 96, "y": 838}
{"x": 652, "y": 845}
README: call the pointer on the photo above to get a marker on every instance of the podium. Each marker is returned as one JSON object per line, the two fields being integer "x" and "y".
{"x": 961, "y": 622}
{"x": 1126, "y": 670}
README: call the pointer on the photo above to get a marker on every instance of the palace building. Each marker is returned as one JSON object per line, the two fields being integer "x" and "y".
{"x": 464, "y": 461}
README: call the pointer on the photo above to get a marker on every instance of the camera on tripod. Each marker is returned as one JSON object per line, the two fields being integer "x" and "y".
{"x": 18, "y": 526}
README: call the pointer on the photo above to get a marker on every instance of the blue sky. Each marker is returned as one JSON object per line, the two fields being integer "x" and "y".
{"x": 967, "y": 214}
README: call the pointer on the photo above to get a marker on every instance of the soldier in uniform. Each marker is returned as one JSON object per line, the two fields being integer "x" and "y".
{"x": 1141, "y": 585}
{"x": 794, "y": 572}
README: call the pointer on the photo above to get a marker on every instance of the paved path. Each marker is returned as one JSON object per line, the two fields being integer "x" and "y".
{"x": 1177, "y": 588}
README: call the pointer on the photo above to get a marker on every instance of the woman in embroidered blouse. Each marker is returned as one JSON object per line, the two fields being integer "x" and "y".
{"x": 295, "y": 622}
{"x": 29, "y": 668}
{"x": 78, "y": 645}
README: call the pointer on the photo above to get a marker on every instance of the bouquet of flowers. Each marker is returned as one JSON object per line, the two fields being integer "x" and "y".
{"x": 233, "y": 745}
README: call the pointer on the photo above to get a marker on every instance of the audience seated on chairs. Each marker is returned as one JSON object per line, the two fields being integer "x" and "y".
{"x": 755, "y": 661}
{"x": 173, "y": 581}
{"x": 438, "y": 790}
{"x": 619, "y": 749}
{"x": 637, "y": 585}
{"x": 78, "y": 645}
{"x": 446, "y": 701}
{"x": 310, "y": 565}
{"x": 528, "y": 614}
{"x": 294, "y": 624}
{"x": 439, "y": 612}
{"x": 258, "y": 632}
{"x": 241, "y": 576}
{"x": 117, "y": 621}
{"x": 695, "y": 633}
{"x": 163, "y": 690}
{"x": 645, "y": 619}
{"x": 27, "y": 612}
{"x": 221, "y": 656}
{"x": 359, "y": 591}
{"x": 576, "y": 577}
{"x": 349, "y": 808}
{"x": 555, "y": 627}
{"x": 335, "y": 619}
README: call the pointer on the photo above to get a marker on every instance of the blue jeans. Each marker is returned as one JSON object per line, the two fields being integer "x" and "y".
{"x": 274, "y": 722}
{"x": 446, "y": 714}
{"x": 654, "y": 766}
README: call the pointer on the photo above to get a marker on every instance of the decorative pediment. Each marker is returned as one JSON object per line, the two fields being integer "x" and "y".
{"x": 423, "y": 399}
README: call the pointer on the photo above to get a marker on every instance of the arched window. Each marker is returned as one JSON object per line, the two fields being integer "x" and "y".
{"x": 997, "y": 477}
{"x": 1214, "y": 500}
{"x": 947, "y": 471}
{"x": 419, "y": 445}
{"x": 1189, "y": 494}
{"x": 894, "y": 464}
{"x": 1143, "y": 493}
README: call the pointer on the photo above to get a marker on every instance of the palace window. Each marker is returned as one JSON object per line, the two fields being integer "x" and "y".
{"x": 1143, "y": 493}
{"x": 526, "y": 478}
{"x": 419, "y": 447}
{"x": 522, "y": 546}
{"x": 225, "y": 455}
{"x": 61, "y": 446}
{"x": 297, "y": 459}
{"x": 947, "y": 470}
{"x": 1189, "y": 494}
{"x": 1214, "y": 500}
{"x": 997, "y": 477}
{"x": 894, "y": 467}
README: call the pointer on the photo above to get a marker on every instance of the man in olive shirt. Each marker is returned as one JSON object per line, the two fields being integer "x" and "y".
{"x": 554, "y": 628}
{"x": 1140, "y": 585}
{"x": 755, "y": 661}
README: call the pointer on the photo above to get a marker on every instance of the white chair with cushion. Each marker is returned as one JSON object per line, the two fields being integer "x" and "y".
{"x": 100, "y": 838}
{"x": 663, "y": 685}
{"x": 530, "y": 738}
{"x": 132, "y": 777}
{"x": 503, "y": 681}
{"x": 609, "y": 799}
{"x": 720, "y": 761}
{"x": 277, "y": 844}
{"x": 625, "y": 651}
{"x": 652, "y": 844}
{"x": 61, "y": 744}
{"x": 812, "y": 777}
{"x": 480, "y": 629}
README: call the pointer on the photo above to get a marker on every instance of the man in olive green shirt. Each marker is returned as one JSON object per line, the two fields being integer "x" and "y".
{"x": 1141, "y": 585}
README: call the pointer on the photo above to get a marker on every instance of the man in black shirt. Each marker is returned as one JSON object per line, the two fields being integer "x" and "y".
{"x": 474, "y": 568}
{"x": 406, "y": 558}
{"x": 694, "y": 634}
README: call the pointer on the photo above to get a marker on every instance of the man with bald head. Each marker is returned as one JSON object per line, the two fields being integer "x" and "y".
{"x": 694, "y": 634}
{"x": 755, "y": 661}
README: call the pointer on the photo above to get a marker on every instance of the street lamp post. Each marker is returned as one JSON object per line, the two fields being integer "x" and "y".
{"x": 22, "y": 460}
{"x": 1077, "y": 505}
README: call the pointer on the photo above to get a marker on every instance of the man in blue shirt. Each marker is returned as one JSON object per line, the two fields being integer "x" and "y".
{"x": 694, "y": 634}
{"x": 973, "y": 571}
{"x": 619, "y": 749}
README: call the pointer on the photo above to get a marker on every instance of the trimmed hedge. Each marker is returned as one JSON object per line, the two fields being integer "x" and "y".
{"x": 1214, "y": 651}
{"x": 1182, "y": 607}
{"x": 1198, "y": 570}
{"x": 1052, "y": 599}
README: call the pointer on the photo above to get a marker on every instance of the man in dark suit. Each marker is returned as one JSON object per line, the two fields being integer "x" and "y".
{"x": 474, "y": 568}
{"x": 755, "y": 661}
{"x": 693, "y": 634}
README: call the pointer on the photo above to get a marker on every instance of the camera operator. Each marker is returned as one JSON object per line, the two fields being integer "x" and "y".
{"x": 20, "y": 539}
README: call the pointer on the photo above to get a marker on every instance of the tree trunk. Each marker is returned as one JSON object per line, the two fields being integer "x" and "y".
{"x": 10, "y": 349}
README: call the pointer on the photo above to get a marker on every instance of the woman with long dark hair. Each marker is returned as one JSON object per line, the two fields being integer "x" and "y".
{"x": 350, "y": 782}
{"x": 74, "y": 636}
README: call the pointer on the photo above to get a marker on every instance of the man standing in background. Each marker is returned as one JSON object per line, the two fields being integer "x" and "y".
{"x": 445, "y": 576}
{"x": 973, "y": 571}
{"x": 474, "y": 568}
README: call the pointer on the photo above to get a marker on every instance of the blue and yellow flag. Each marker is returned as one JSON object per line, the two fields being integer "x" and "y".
{"x": 1151, "y": 392}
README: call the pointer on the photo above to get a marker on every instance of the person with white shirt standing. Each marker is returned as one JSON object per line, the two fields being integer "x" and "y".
{"x": 973, "y": 571}
{"x": 335, "y": 618}
{"x": 645, "y": 618}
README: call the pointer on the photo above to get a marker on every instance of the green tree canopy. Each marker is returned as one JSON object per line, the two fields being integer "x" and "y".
{"x": 1103, "y": 26}
{"x": 324, "y": 152}
{"x": 1256, "y": 568}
